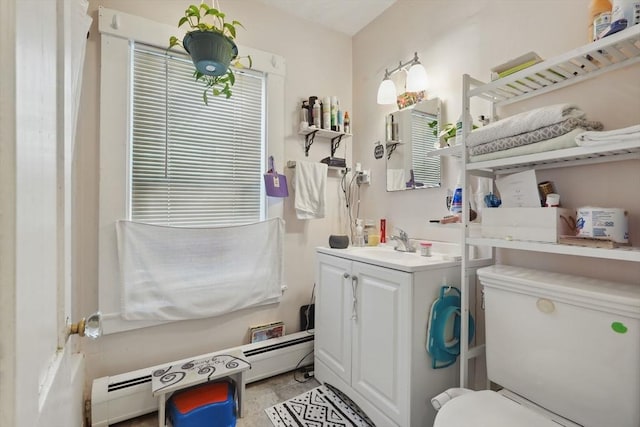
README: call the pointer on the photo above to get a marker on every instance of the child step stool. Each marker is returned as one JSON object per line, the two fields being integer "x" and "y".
{"x": 184, "y": 375}
{"x": 206, "y": 405}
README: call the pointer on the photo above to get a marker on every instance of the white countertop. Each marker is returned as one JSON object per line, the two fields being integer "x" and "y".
{"x": 386, "y": 256}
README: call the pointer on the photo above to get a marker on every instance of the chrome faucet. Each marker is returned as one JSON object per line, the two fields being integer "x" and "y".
{"x": 405, "y": 244}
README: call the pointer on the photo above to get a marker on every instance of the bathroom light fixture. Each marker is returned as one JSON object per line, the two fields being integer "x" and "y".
{"x": 387, "y": 91}
{"x": 416, "y": 80}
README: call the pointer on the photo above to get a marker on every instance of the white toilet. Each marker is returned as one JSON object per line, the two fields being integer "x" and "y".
{"x": 566, "y": 349}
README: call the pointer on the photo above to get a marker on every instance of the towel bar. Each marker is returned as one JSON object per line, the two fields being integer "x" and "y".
{"x": 291, "y": 164}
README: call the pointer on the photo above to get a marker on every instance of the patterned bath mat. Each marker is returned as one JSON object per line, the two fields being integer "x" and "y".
{"x": 324, "y": 406}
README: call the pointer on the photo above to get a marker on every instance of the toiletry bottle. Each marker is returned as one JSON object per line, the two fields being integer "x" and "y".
{"x": 625, "y": 9}
{"x": 304, "y": 115}
{"x": 456, "y": 200}
{"x": 317, "y": 114}
{"x": 334, "y": 113}
{"x": 326, "y": 113}
{"x": 347, "y": 122}
{"x": 311, "y": 103}
{"x": 383, "y": 230}
{"x": 371, "y": 236}
{"x": 359, "y": 237}
{"x": 425, "y": 248}
{"x": 599, "y": 17}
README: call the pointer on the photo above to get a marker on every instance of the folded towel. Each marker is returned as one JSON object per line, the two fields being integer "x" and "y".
{"x": 524, "y": 122}
{"x": 310, "y": 189}
{"x": 537, "y": 135}
{"x": 558, "y": 143}
{"x": 586, "y": 139}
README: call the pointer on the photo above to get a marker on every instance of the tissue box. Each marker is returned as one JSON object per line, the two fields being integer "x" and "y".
{"x": 534, "y": 224}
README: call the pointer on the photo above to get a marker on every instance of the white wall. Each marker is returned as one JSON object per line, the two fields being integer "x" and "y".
{"x": 453, "y": 37}
{"x": 318, "y": 62}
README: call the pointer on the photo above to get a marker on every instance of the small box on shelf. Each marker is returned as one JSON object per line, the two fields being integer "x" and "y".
{"x": 531, "y": 224}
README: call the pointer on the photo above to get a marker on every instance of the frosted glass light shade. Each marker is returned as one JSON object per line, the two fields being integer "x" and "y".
{"x": 416, "y": 78}
{"x": 387, "y": 92}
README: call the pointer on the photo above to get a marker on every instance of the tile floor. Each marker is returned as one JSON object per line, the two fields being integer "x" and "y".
{"x": 258, "y": 396}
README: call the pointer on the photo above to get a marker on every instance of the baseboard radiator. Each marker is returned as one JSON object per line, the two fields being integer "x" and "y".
{"x": 125, "y": 396}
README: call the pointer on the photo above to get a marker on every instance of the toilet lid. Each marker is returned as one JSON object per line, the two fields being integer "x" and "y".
{"x": 488, "y": 409}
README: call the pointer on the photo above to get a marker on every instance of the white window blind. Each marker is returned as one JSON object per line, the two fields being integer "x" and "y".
{"x": 426, "y": 169}
{"x": 194, "y": 164}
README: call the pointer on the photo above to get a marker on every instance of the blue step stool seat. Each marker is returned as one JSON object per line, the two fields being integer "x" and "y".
{"x": 206, "y": 405}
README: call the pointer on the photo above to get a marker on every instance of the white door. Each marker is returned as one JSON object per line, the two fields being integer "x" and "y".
{"x": 381, "y": 339}
{"x": 41, "y": 380}
{"x": 334, "y": 303}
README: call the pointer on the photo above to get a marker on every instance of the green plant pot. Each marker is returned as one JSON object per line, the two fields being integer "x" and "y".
{"x": 210, "y": 52}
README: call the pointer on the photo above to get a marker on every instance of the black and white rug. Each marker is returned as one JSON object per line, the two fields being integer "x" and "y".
{"x": 321, "y": 407}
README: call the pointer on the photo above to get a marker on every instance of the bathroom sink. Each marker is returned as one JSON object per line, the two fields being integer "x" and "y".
{"x": 386, "y": 256}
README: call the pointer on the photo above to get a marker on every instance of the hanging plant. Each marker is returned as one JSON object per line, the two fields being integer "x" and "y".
{"x": 210, "y": 43}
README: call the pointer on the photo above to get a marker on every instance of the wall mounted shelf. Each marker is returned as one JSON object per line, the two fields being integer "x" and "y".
{"x": 309, "y": 137}
{"x": 610, "y": 53}
{"x": 575, "y": 156}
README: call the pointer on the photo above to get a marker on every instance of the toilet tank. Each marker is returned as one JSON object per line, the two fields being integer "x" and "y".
{"x": 569, "y": 344}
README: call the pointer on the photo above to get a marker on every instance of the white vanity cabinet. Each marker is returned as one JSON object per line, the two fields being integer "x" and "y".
{"x": 370, "y": 334}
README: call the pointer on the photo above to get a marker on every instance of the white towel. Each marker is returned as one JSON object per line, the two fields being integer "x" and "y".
{"x": 396, "y": 180}
{"x": 524, "y": 122}
{"x": 177, "y": 273}
{"x": 586, "y": 139}
{"x": 310, "y": 187}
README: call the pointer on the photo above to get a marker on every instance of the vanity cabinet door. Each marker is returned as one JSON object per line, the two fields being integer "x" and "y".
{"x": 334, "y": 302}
{"x": 381, "y": 339}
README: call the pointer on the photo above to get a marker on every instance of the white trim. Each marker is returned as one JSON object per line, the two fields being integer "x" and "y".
{"x": 117, "y": 30}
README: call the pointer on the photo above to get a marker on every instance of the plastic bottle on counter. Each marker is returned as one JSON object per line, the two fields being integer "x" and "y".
{"x": 599, "y": 17}
{"x": 371, "y": 236}
{"x": 425, "y": 248}
{"x": 358, "y": 239}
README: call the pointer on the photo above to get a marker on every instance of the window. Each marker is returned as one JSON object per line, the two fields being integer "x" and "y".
{"x": 117, "y": 51}
{"x": 194, "y": 164}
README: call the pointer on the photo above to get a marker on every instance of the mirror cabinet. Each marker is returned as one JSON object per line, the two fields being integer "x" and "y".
{"x": 410, "y": 134}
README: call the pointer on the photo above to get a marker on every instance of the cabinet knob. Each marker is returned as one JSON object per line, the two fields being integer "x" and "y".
{"x": 346, "y": 275}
